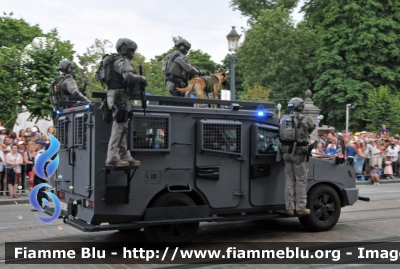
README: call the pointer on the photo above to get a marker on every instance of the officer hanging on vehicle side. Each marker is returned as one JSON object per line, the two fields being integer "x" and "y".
{"x": 118, "y": 73}
{"x": 294, "y": 131}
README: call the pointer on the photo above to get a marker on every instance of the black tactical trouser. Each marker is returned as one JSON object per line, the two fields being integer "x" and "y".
{"x": 171, "y": 87}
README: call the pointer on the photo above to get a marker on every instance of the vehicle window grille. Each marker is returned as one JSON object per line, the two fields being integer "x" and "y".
{"x": 79, "y": 131}
{"x": 267, "y": 141}
{"x": 222, "y": 137}
{"x": 62, "y": 132}
{"x": 151, "y": 133}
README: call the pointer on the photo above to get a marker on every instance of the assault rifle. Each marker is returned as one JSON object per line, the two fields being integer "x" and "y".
{"x": 83, "y": 90}
{"x": 142, "y": 90}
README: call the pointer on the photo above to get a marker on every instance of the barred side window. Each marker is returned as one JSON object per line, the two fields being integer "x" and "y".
{"x": 151, "y": 132}
{"x": 62, "y": 131}
{"x": 222, "y": 136}
{"x": 267, "y": 139}
{"x": 80, "y": 130}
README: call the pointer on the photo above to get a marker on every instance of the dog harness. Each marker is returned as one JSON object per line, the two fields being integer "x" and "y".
{"x": 210, "y": 81}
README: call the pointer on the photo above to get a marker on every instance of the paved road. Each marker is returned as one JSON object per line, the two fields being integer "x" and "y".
{"x": 378, "y": 220}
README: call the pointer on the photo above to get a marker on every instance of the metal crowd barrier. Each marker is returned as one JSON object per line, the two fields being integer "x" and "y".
{"x": 23, "y": 183}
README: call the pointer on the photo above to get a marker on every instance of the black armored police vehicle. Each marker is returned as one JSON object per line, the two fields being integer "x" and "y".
{"x": 199, "y": 164}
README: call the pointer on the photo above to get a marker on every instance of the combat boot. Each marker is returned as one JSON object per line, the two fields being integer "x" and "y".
{"x": 119, "y": 163}
{"x": 133, "y": 162}
{"x": 304, "y": 211}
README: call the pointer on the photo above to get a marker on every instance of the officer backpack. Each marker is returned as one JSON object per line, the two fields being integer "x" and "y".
{"x": 55, "y": 90}
{"x": 291, "y": 129}
{"x": 103, "y": 74}
{"x": 166, "y": 65}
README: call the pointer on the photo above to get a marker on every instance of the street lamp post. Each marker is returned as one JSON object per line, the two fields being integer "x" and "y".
{"x": 279, "y": 107}
{"x": 348, "y": 106}
{"x": 233, "y": 44}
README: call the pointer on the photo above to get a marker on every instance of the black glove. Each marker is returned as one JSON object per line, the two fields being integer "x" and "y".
{"x": 182, "y": 84}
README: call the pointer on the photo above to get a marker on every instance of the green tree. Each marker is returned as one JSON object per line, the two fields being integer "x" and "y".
{"x": 90, "y": 61}
{"x": 202, "y": 60}
{"x": 257, "y": 93}
{"x": 314, "y": 11}
{"x": 383, "y": 108}
{"x": 11, "y": 75}
{"x": 275, "y": 54}
{"x": 359, "y": 49}
{"x": 17, "y": 32}
{"x": 253, "y": 8}
{"x": 41, "y": 66}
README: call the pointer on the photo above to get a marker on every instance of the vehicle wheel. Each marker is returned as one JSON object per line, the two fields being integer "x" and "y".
{"x": 324, "y": 204}
{"x": 175, "y": 233}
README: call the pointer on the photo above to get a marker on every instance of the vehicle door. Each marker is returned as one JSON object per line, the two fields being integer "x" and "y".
{"x": 218, "y": 161}
{"x": 65, "y": 170}
{"x": 82, "y": 161}
{"x": 267, "y": 178}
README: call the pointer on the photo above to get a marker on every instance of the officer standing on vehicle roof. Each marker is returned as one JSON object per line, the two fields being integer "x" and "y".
{"x": 124, "y": 83}
{"x": 177, "y": 68}
{"x": 294, "y": 131}
{"x": 64, "y": 87}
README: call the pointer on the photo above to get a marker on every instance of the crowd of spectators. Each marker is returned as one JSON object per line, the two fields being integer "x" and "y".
{"x": 17, "y": 152}
{"x": 372, "y": 154}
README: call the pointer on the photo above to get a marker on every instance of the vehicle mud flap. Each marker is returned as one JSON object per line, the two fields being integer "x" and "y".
{"x": 72, "y": 207}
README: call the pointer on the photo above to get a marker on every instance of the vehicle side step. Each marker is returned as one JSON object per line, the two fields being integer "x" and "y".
{"x": 87, "y": 227}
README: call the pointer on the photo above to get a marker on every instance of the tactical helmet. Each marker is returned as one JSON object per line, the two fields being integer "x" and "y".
{"x": 126, "y": 43}
{"x": 183, "y": 42}
{"x": 296, "y": 104}
{"x": 65, "y": 66}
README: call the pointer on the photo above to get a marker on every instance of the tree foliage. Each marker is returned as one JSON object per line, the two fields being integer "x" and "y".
{"x": 275, "y": 54}
{"x": 359, "y": 49}
{"x": 11, "y": 76}
{"x": 314, "y": 11}
{"x": 253, "y": 8}
{"x": 40, "y": 64}
{"x": 383, "y": 108}
{"x": 257, "y": 93}
{"x": 90, "y": 61}
{"x": 17, "y": 32}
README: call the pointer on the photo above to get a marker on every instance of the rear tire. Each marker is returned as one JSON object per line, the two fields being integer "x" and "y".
{"x": 176, "y": 234}
{"x": 324, "y": 204}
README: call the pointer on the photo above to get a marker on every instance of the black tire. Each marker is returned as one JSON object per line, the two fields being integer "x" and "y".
{"x": 324, "y": 204}
{"x": 174, "y": 234}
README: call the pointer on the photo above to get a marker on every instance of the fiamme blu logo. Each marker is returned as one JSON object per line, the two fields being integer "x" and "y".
{"x": 45, "y": 172}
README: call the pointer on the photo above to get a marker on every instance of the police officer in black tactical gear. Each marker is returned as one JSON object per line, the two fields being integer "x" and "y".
{"x": 122, "y": 86}
{"x": 64, "y": 87}
{"x": 177, "y": 68}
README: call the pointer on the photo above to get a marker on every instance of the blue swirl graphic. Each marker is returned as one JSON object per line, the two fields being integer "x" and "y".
{"x": 35, "y": 204}
{"x": 42, "y": 159}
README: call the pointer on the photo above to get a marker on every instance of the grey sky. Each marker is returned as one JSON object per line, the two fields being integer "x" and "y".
{"x": 151, "y": 23}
